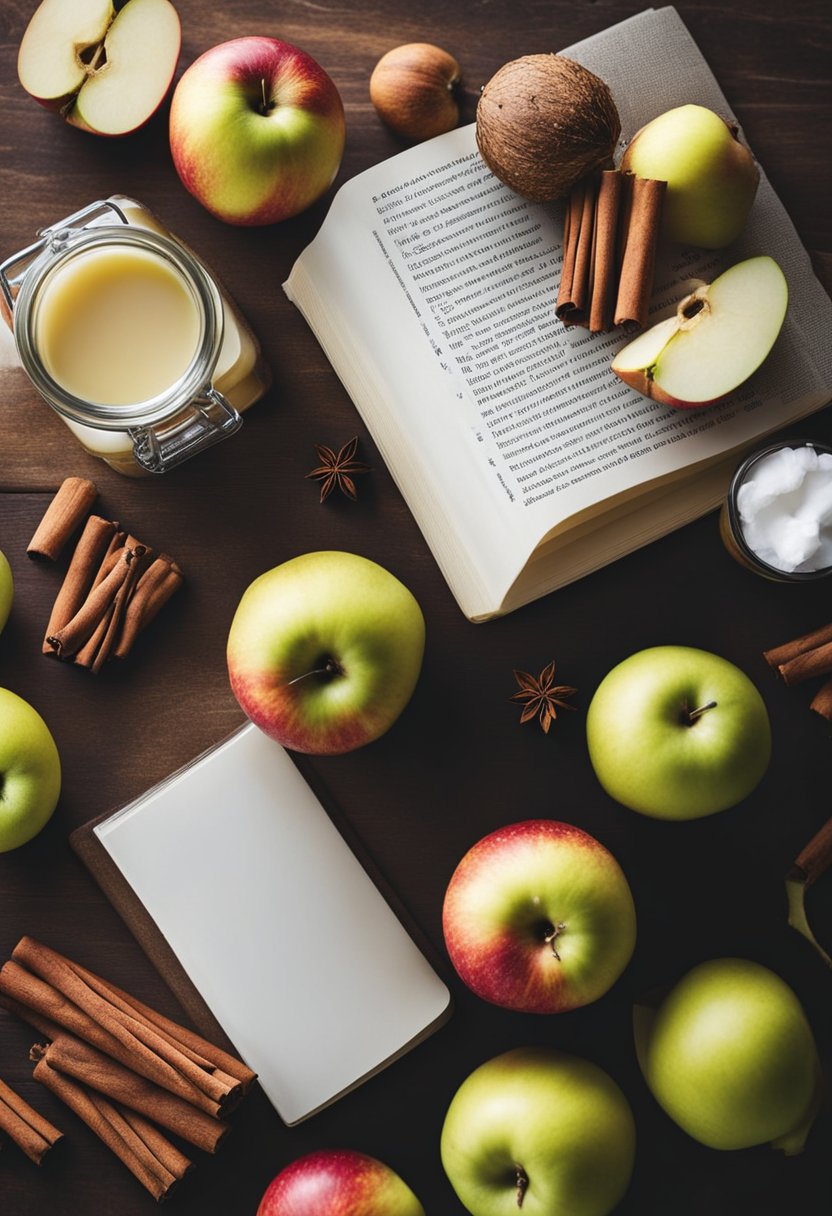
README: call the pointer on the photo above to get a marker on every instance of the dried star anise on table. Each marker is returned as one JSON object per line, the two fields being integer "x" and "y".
{"x": 337, "y": 469}
{"x": 542, "y": 696}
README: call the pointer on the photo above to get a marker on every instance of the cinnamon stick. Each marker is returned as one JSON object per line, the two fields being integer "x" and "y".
{"x": 602, "y": 290}
{"x": 69, "y": 639}
{"x": 86, "y": 559}
{"x": 808, "y": 664}
{"x": 204, "y": 1052}
{"x": 639, "y": 243}
{"x": 147, "y": 1052}
{"x": 100, "y": 1072}
{"x": 155, "y": 587}
{"x": 573, "y": 295}
{"x": 64, "y": 515}
{"x": 22, "y": 1124}
{"x": 97, "y": 650}
{"x": 821, "y": 702}
{"x": 779, "y": 655}
{"x": 155, "y": 1162}
{"x": 815, "y": 857}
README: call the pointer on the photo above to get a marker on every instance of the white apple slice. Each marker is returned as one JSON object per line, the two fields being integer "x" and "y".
{"x": 720, "y": 335}
{"x": 141, "y": 49}
{"x": 58, "y": 46}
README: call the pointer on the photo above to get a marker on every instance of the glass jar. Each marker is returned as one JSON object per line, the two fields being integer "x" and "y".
{"x": 142, "y": 390}
{"x": 731, "y": 522}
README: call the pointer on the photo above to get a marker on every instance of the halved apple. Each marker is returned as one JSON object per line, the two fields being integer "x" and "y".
{"x": 107, "y": 72}
{"x": 721, "y": 333}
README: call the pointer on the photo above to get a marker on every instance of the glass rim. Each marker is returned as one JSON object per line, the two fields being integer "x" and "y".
{"x": 102, "y": 415}
{"x": 739, "y": 476}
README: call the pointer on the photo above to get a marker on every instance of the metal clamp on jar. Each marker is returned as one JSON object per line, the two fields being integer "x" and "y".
{"x": 127, "y": 336}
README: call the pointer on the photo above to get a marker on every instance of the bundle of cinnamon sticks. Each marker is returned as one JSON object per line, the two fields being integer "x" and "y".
{"x": 610, "y": 237}
{"x": 805, "y": 658}
{"x": 123, "y": 1068}
{"x": 114, "y": 585}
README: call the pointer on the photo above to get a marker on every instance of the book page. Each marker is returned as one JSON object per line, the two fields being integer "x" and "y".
{"x": 444, "y": 281}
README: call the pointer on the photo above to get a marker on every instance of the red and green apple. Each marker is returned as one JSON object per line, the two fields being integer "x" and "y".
{"x": 324, "y": 651}
{"x": 538, "y": 917}
{"x": 537, "y": 1132}
{"x": 338, "y": 1182}
{"x": 256, "y": 130}
{"x": 678, "y": 733}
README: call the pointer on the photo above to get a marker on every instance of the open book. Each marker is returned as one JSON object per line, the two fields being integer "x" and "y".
{"x": 526, "y": 462}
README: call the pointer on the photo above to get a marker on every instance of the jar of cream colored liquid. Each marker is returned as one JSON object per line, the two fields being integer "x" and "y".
{"x": 777, "y": 517}
{"x": 130, "y": 339}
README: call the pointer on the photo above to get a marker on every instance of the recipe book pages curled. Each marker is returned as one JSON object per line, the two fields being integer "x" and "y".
{"x": 526, "y": 462}
{"x": 275, "y": 922}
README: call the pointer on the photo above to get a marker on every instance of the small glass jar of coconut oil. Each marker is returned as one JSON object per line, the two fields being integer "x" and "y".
{"x": 777, "y": 517}
{"x": 127, "y": 335}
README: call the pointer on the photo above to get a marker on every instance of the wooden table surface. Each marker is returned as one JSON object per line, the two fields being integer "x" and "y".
{"x": 457, "y": 764}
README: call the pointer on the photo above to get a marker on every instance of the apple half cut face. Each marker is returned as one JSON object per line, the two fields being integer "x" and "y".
{"x": 106, "y": 72}
{"x": 720, "y": 335}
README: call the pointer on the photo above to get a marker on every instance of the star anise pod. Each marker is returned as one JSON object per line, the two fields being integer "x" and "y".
{"x": 337, "y": 469}
{"x": 543, "y": 698}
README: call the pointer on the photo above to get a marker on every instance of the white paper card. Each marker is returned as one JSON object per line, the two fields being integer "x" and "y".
{"x": 279, "y": 927}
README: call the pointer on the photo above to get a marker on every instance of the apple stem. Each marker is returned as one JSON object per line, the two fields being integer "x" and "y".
{"x": 330, "y": 668}
{"x": 266, "y": 106}
{"x": 552, "y": 934}
{"x": 521, "y": 1179}
{"x": 691, "y": 715}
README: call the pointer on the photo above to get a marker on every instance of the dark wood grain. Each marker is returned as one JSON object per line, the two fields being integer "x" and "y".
{"x": 457, "y": 764}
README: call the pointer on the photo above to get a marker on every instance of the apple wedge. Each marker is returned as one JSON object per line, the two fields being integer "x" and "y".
{"x": 107, "y": 72}
{"x": 721, "y": 333}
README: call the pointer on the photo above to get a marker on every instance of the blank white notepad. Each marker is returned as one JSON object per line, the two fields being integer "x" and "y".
{"x": 277, "y": 924}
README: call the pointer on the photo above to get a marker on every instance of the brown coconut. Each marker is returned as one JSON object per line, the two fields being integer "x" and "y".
{"x": 544, "y": 122}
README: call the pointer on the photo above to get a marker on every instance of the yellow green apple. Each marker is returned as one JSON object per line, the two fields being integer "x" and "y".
{"x": 730, "y": 1056}
{"x": 6, "y": 589}
{"x": 538, "y": 1132}
{"x": 30, "y": 771}
{"x": 675, "y": 732}
{"x": 711, "y": 177}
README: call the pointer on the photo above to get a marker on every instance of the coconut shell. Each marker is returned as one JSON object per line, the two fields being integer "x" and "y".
{"x": 543, "y": 123}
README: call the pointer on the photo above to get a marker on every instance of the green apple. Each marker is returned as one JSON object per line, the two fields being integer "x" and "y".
{"x": 731, "y": 1058}
{"x": 256, "y": 130}
{"x": 678, "y": 733}
{"x": 324, "y": 651}
{"x": 30, "y": 771}
{"x": 6, "y": 589}
{"x": 541, "y": 1133}
{"x": 718, "y": 337}
{"x": 711, "y": 177}
{"x": 103, "y": 70}
{"x": 338, "y": 1182}
{"x": 538, "y": 917}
